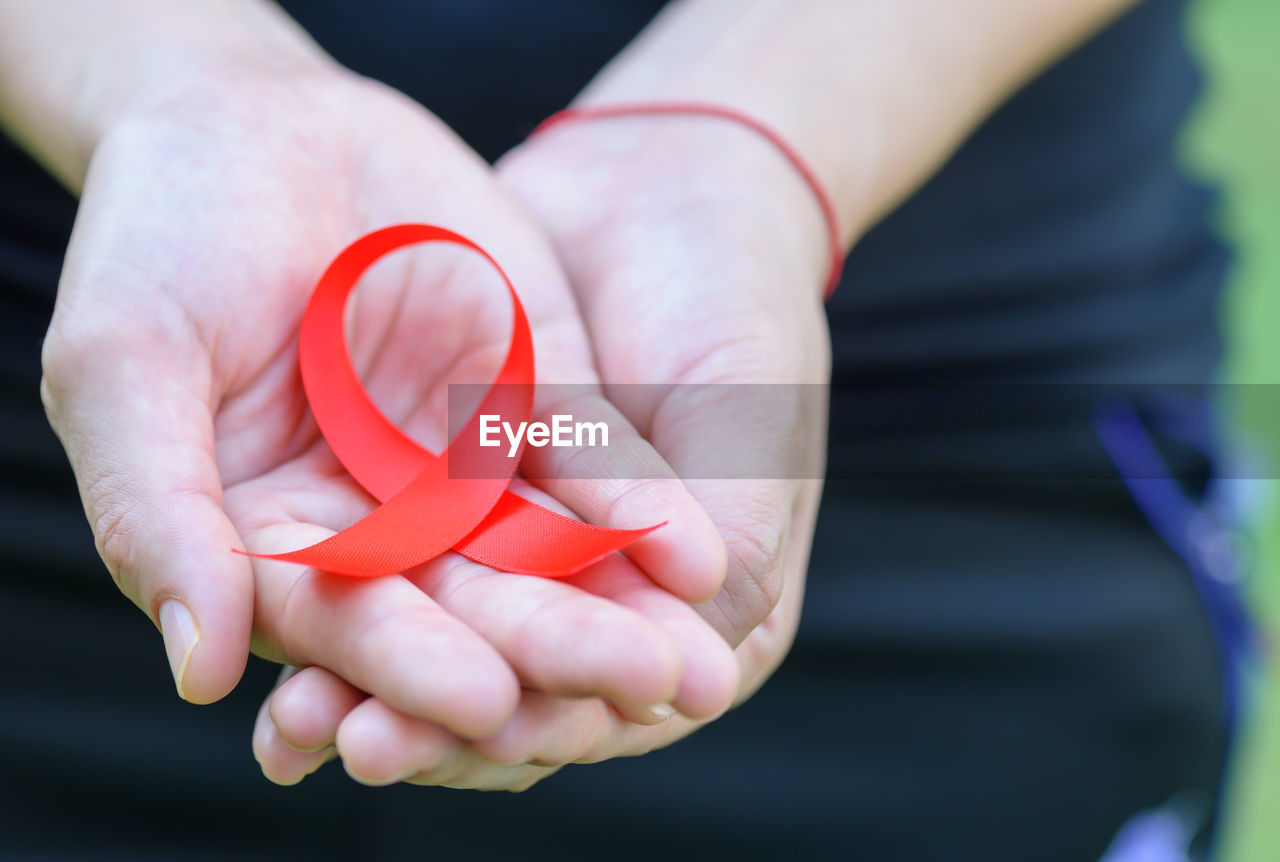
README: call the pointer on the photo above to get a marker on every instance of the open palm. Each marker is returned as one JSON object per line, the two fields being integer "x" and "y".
{"x": 170, "y": 376}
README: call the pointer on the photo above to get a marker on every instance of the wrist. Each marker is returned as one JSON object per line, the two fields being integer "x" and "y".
{"x": 684, "y": 170}
{"x": 117, "y": 62}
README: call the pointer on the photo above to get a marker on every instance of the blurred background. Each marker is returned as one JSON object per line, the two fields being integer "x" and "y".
{"x": 1235, "y": 140}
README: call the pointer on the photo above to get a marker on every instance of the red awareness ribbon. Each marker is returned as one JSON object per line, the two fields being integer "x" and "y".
{"x": 425, "y": 509}
{"x": 830, "y": 220}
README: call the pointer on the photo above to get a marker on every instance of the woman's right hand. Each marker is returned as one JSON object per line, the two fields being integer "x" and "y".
{"x": 171, "y": 379}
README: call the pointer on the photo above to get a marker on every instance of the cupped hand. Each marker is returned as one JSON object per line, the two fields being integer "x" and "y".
{"x": 698, "y": 272}
{"x": 171, "y": 378}
{"x": 698, "y": 256}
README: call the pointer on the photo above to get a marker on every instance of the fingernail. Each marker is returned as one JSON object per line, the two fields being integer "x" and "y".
{"x": 662, "y": 711}
{"x": 180, "y": 638}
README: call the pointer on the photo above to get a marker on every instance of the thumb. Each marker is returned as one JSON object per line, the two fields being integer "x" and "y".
{"x": 130, "y": 401}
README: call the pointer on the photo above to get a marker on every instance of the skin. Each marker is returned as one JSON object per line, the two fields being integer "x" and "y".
{"x": 207, "y": 213}
{"x": 659, "y": 249}
{"x": 239, "y": 458}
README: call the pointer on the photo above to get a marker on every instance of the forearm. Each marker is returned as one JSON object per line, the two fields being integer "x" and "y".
{"x": 875, "y": 94}
{"x": 69, "y": 69}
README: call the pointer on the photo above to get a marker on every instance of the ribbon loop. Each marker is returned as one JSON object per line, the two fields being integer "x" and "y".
{"x": 425, "y": 510}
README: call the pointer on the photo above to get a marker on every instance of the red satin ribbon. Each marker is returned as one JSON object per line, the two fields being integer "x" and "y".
{"x": 425, "y": 511}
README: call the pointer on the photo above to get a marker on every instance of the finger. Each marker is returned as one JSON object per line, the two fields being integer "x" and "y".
{"x": 280, "y": 763}
{"x": 627, "y": 484}
{"x": 568, "y": 642}
{"x": 711, "y": 431}
{"x": 555, "y": 731}
{"x": 766, "y": 524}
{"x": 558, "y": 638}
{"x": 382, "y": 746}
{"x": 379, "y": 745}
{"x": 134, "y": 415}
{"x": 307, "y": 709}
{"x": 555, "y": 636}
{"x": 550, "y": 731}
{"x": 710, "y": 673}
{"x": 383, "y": 635}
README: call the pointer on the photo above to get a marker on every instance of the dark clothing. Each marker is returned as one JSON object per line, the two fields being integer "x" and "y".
{"x": 987, "y": 668}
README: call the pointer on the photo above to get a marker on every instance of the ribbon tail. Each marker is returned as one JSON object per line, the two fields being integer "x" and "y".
{"x": 524, "y": 538}
{"x": 418, "y": 524}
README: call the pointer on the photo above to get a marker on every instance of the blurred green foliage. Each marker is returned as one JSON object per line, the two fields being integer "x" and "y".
{"x": 1235, "y": 140}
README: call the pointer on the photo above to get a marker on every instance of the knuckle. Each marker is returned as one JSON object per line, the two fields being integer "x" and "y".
{"x": 50, "y": 400}
{"x": 756, "y": 550}
{"x": 633, "y": 499}
{"x": 505, "y": 749}
{"x": 117, "y": 523}
{"x": 58, "y": 361}
{"x": 68, "y": 349}
{"x": 371, "y": 644}
{"x": 594, "y": 742}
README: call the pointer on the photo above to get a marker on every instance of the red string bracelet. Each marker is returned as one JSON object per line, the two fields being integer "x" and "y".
{"x": 711, "y": 110}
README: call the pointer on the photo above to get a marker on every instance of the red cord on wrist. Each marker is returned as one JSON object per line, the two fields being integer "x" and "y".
{"x": 711, "y": 110}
